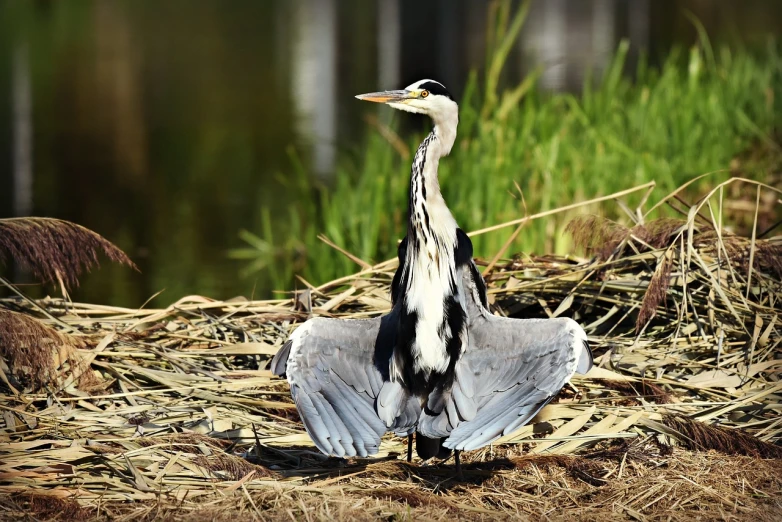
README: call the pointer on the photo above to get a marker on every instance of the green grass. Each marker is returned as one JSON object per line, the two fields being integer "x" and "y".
{"x": 696, "y": 113}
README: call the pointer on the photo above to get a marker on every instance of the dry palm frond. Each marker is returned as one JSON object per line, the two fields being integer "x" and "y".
{"x": 39, "y": 356}
{"x": 54, "y": 249}
{"x": 699, "y": 436}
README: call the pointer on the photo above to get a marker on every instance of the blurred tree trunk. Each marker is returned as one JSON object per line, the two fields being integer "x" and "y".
{"x": 638, "y": 24}
{"x": 22, "y": 136}
{"x": 389, "y": 44}
{"x": 315, "y": 79}
{"x": 119, "y": 90}
{"x": 21, "y": 101}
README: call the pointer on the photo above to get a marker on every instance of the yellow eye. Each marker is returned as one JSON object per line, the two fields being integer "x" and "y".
{"x": 424, "y": 94}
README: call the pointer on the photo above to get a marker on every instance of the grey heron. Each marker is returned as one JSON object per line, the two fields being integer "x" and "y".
{"x": 439, "y": 364}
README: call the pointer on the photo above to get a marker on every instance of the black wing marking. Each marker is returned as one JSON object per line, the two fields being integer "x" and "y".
{"x": 396, "y": 283}
{"x": 464, "y": 253}
{"x": 463, "y": 248}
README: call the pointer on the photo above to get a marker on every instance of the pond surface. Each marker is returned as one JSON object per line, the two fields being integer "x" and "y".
{"x": 168, "y": 127}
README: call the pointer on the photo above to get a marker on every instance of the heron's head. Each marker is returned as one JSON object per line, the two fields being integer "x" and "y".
{"x": 424, "y": 97}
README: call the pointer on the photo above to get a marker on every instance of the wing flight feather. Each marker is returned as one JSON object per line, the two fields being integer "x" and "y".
{"x": 337, "y": 369}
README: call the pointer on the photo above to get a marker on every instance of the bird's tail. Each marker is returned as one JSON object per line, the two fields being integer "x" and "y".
{"x": 427, "y": 447}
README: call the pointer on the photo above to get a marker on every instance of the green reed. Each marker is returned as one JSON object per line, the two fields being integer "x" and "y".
{"x": 702, "y": 110}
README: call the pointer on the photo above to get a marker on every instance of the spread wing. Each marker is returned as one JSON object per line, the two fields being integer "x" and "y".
{"x": 338, "y": 373}
{"x": 509, "y": 370}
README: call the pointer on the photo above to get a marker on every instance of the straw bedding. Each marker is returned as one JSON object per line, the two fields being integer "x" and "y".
{"x": 121, "y": 414}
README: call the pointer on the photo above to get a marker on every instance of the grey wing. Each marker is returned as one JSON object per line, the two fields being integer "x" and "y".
{"x": 338, "y": 374}
{"x": 509, "y": 370}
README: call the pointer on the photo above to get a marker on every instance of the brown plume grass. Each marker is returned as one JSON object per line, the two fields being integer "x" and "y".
{"x": 699, "y": 436}
{"x": 55, "y": 250}
{"x": 231, "y": 467}
{"x": 678, "y": 420}
{"x": 45, "y": 507}
{"x": 604, "y": 238}
{"x": 633, "y": 391}
{"x": 656, "y": 293}
{"x": 39, "y": 356}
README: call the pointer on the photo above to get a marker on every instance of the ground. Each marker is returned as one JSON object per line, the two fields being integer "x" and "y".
{"x": 625, "y": 482}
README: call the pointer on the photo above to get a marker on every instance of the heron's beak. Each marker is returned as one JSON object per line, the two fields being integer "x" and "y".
{"x": 387, "y": 96}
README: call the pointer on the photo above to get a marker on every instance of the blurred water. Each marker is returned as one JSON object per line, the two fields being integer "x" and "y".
{"x": 168, "y": 126}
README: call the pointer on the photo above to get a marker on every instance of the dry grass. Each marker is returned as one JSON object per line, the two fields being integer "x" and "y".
{"x": 680, "y": 421}
{"x": 631, "y": 485}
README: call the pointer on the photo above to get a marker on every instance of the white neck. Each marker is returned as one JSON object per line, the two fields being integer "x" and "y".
{"x": 429, "y": 217}
{"x": 445, "y": 128}
{"x": 425, "y": 196}
{"x": 430, "y": 253}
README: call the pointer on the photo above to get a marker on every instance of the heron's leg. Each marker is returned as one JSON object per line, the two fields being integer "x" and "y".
{"x": 459, "y": 473}
{"x": 410, "y": 448}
